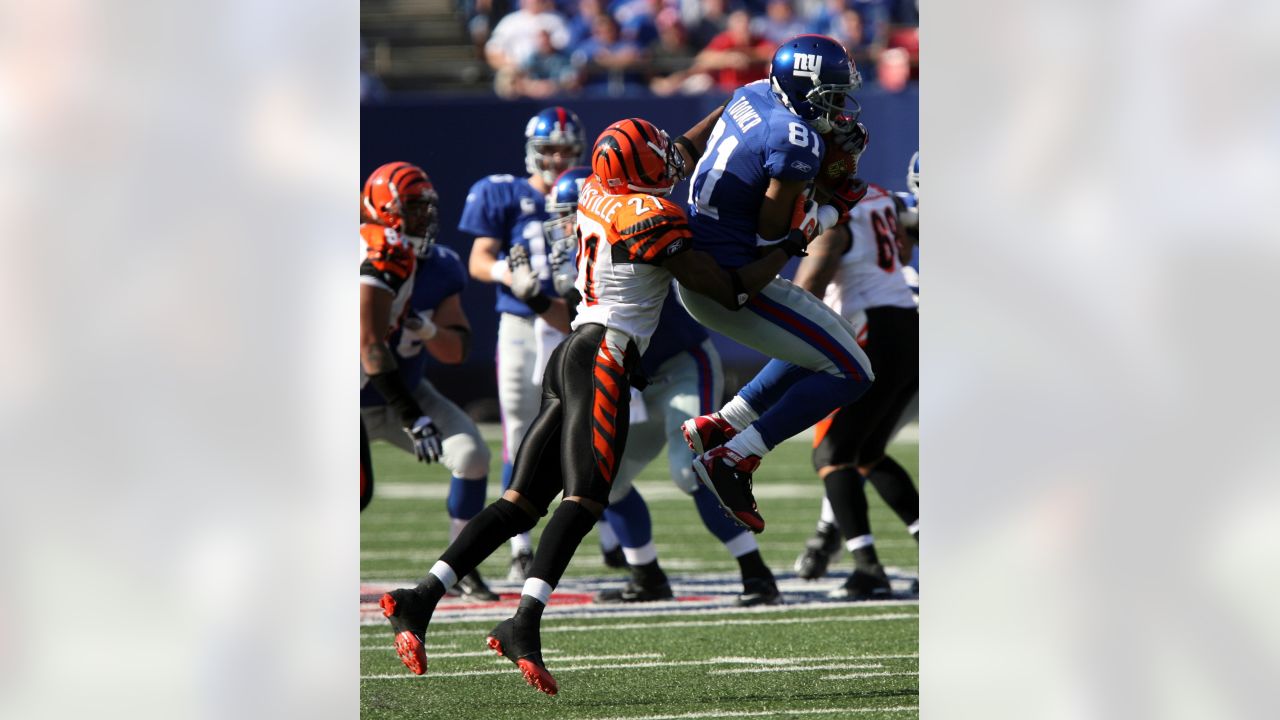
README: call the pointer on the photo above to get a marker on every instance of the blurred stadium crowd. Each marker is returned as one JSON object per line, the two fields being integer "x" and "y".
{"x": 617, "y": 48}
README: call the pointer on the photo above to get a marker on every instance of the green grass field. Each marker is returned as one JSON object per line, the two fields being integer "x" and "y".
{"x": 701, "y": 658}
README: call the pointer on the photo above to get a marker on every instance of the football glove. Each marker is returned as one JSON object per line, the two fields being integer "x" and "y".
{"x": 852, "y": 139}
{"x": 524, "y": 281}
{"x": 847, "y": 194}
{"x": 563, "y": 273}
{"x": 409, "y": 344}
{"x": 426, "y": 440}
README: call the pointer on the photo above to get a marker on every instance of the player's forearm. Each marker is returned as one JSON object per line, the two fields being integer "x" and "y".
{"x": 557, "y": 315}
{"x": 755, "y": 275}
{"x": 817, "y": 270}
{"x": 451, "y": 344}
{"x": 376, "y": 358}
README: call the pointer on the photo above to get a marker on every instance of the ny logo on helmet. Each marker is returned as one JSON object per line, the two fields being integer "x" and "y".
{"x": 808, "y": 66}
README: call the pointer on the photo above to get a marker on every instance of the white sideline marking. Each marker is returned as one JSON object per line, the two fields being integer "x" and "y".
{"x": 793, "y": 668}
{"x": 855, "y": 676}
{"x": 765, "y": 713}
{"x": 686, "y": 623}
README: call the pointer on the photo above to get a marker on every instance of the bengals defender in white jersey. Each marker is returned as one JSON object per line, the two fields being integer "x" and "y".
{"x": 857, "y": 269}
{"x": 632, "y": 242}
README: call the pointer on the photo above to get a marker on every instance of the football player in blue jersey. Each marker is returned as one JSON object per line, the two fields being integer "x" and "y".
{"x": 751, "y": 189}
{"x": 431, "y": 316}
{"x": 682, "y": 378}
{"x": 502, "y": 212}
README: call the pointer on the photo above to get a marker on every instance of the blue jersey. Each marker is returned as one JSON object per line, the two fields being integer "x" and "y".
{"x": 509, "y": 209}
{"x": 438, "y": 276}
{"x": 676, "y": 333}
{"x": 754, "y": 140}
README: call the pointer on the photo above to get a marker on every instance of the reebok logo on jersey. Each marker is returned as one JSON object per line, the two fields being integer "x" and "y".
{"x": 675, "y": 246}
{"x": 803, "y": 167}
{"x": 808, "y": 66}
{"x": 527, "y": 207}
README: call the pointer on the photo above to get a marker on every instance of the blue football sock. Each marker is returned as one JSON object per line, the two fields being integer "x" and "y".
{"x": 769, "y": 385}
{"x": 630, "y": 519}
{"x": 805, "y": 403}
{"x": 506, "y": 476}
{"x": 466, "y": 497}
{"x": 713, "y": 516}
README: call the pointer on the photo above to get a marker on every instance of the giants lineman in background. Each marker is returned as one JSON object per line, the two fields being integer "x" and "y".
{"x": 857, "y": 268}
{"x": 409, "y": 281}
{"x": 633, "y": 241}
{"x": 502, "y": 212}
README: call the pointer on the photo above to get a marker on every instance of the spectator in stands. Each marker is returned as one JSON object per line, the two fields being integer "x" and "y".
{"x": 547, "y": 72}
{"x": 612, "y": 64}
{"x": 779, "y": 23}
{"x": 581, "y": 23}
{"x": 481, "y": 16}
{"x": 893, "y": 70}
{"x": 371, "y": 88}
{"x": 516, "y": 38}
{"x": 704, "y": 19}
{"x": 673, "y": 41}
{"x": 638, "y": 20}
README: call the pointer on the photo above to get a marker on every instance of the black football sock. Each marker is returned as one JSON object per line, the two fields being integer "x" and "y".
{"x": 528, "y": 617}
{"x": 560, "y": 539}
{"x": 752, "y": 566}
{"x": 894, "y": 485}
{"x": 848, "y": 502}
{"x": 865, "y": 558}
{"x": 483, "y": 534}
{"x": 649, "y": 574}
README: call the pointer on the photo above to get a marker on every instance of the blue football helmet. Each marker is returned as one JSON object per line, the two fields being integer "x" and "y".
{"x": 812, "y": 75}
{"x": 562, "y": 204}
{"x": 913, "y": 175}
{"x": 552, "y": 127}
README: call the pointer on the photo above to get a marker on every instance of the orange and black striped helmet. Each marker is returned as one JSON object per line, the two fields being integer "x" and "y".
{"x": 633, "y": 155}
{"x": 387, "y": 189}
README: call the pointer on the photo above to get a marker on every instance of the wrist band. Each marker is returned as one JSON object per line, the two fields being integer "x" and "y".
{"x": 498, "y": 270}
{"x": 538, "y": 303}
{"x": 687, "y": 144}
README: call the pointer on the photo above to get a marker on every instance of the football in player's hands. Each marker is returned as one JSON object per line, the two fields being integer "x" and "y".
{"x": 840, "y": 160}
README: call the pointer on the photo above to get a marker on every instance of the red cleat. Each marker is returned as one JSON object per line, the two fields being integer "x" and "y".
{"x": 706, "y": 431}
{"x": 409, "y": 621}
{"x": 526, "y": 654}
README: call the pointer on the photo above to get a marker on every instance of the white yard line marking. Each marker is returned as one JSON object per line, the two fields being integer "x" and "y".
{"x": 785, "y": 667}
{"x": 854, "y": 676}
{"x": 610, "y": 627}
{"x": 776, "y": 664}
{"x": 767, "y": 713}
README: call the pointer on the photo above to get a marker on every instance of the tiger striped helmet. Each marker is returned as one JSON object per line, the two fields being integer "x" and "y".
{"x": 387, "y": 195}
{"x": 633, "y": 155}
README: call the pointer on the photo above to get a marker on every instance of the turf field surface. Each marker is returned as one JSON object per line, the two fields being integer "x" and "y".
{"x": 698, "y": 656}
